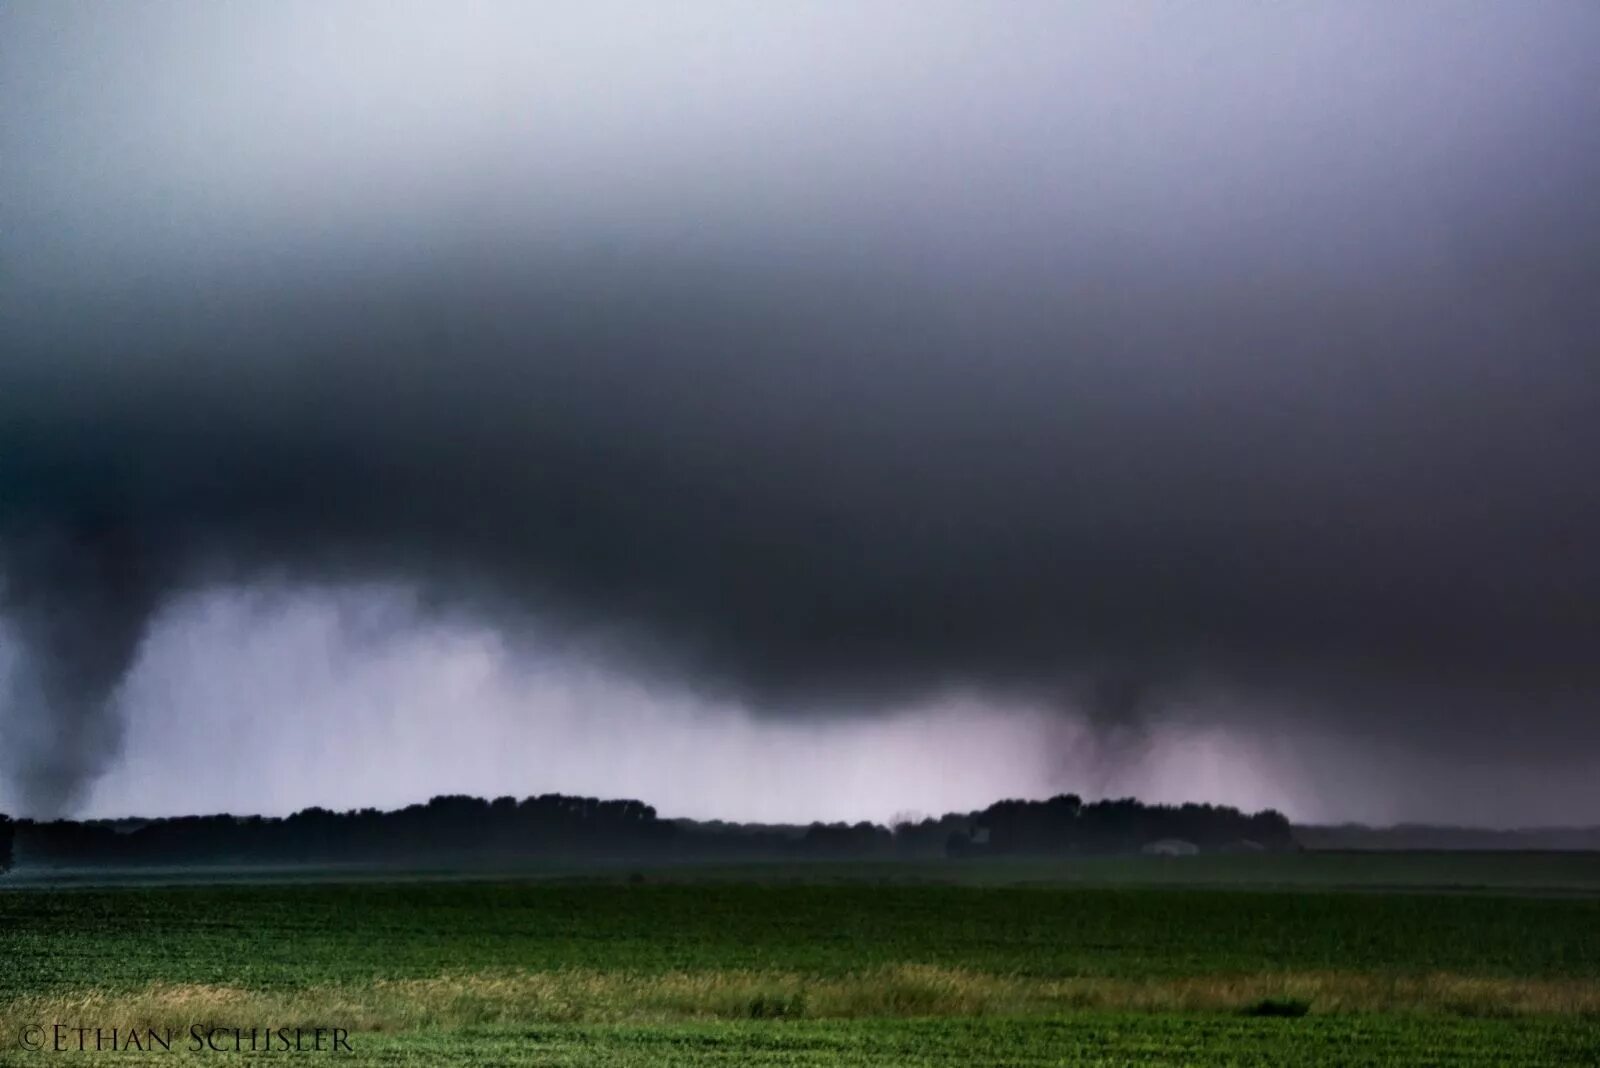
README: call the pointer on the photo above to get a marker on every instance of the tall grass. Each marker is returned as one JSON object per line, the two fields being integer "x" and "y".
{"x": 901, "y": 991}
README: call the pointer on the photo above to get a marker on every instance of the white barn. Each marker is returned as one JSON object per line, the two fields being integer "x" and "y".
{"x": 1170, "y": 847}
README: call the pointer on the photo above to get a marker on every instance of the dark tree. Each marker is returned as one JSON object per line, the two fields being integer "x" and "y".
{"x": 1065, "y": 824}
{"x": 457, "y": 830}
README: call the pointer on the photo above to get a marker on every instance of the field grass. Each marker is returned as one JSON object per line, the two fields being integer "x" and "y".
{"x": 1084, "y": 1041}
{"x": 1466, "y": 872}
{"x": 864, "y": 971}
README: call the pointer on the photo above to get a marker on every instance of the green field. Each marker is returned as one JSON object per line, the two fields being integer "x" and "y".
{"x": 920, "y": 964}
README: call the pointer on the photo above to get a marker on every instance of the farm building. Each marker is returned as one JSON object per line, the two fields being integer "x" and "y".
{"x": 1170, "y": 847}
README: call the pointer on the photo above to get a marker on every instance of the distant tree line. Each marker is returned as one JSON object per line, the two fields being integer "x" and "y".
{"x": 457, "y": 830}
{"x": 1412, "y": 836}
{"x": 1064, "y": 824}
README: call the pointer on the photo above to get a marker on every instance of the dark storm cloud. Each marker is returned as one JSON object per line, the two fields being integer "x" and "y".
{"x": 1089, "y": 354}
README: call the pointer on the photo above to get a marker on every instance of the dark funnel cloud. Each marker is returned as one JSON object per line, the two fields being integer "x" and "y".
{"x": 1091, "y": 354}
{"x": 78, "y": 602}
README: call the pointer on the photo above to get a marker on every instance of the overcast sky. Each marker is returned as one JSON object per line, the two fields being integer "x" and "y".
{"x": 801, "y": 409}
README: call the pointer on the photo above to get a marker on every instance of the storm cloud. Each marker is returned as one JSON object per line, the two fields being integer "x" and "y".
{"x": 1114, "y": 357}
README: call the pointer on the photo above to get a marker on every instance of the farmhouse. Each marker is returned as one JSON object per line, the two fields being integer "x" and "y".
{"x": 1170, "y": 847}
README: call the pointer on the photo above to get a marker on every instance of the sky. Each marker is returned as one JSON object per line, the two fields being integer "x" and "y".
{"x": 801, "y": 411}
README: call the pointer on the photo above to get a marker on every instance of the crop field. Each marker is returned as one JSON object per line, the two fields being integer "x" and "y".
{"x": 726, "y": 968}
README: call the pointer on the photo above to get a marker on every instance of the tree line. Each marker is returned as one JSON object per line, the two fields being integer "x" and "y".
{"x": 458, "y": 830}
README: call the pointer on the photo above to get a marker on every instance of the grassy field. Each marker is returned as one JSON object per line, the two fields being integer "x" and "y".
{"x": 1527, "y": 873}
{"x": 825, "y": 967}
